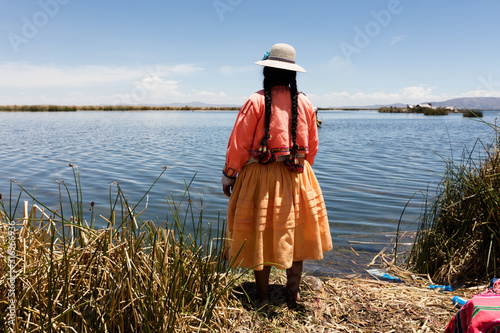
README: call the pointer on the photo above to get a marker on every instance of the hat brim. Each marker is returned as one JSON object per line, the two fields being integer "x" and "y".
{"x": 280, "y": 64}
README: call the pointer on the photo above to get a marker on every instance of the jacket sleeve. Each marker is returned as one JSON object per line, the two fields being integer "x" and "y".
{"x": 312, "y": 130}
{"x": 239, "y": 147}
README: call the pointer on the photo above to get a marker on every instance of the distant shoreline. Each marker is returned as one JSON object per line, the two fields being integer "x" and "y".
{"x": 74, "y": 108}
{"x": 346, "y": 109}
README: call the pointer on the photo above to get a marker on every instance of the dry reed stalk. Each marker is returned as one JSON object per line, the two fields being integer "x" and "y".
{"x": 76, "y": 278}
{"x": 351, "y": 305}
{"x": 459, "y": 239}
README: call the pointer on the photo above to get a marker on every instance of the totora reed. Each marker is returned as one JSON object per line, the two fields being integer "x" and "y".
{"x": 459, "y": 237}
{"x": 131, "y": 276}
{"x": 62, "y": 274}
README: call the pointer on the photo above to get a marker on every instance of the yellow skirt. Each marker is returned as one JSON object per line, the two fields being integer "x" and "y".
{"x": 276, "y": 217}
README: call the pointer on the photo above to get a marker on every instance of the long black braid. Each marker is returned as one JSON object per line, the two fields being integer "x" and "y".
{"x": 294, "y": 94}
{"x": 268, "y": 102}
{"x": 274, "y": 77}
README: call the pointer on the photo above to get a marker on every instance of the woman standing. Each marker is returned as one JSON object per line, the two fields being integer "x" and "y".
{"x": 276, "y": 212}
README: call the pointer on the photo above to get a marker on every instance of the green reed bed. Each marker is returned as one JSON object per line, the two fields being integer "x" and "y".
{"x": 51, "y": 108}
{"x": 392, "y": 109}
{"x": 131, "y": 276}
{"x": 434, "y": 112}
{"x": 472, "y": 114}
{"x": 37, "y": 108}
{"x": 459, "y": 236}
{"x": 417, "y": 109}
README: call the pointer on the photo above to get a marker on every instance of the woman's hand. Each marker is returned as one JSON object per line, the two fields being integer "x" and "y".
{"x": 227, "y": 190}
{"x": 227, "y": 184}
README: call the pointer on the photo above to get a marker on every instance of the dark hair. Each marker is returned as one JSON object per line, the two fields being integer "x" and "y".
{"x": 280, "y": 77}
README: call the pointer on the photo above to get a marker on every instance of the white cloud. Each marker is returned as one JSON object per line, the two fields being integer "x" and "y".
{"x": 157, "y": 91}
{"x": 19, "y": 74}
{"x": 24, "y": 83}
{"x": 409, "y": 95}
{"x": 480, "y": 93}
{"x": 397, "y": 39}
{"x": 488, "y": 87}
{"x": 16, "y": 74}
{"x": 150, "y": 90}
{"x": 414, "y": 93}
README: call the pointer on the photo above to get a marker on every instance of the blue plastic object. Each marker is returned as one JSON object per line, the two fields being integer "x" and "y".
{"x": 458, "y": 301}
{"x": 380, "y": 273}
{"x": 440, "y": 287}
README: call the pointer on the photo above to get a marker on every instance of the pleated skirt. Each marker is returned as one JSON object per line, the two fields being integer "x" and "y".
{"x": 276, "y": 217}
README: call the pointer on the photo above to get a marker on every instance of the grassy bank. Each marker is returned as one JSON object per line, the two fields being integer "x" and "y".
{"x": 459, "y": 236}
{"x": 69, "y": 108}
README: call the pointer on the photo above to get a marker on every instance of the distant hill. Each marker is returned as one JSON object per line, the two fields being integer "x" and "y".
{"x": 481, "y": 103}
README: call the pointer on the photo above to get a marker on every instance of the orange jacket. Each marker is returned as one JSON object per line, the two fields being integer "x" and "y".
{"x": 248, "y": 129}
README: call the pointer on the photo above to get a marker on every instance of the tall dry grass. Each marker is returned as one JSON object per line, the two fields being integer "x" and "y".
{"x": 60, "y": 108}
{"x": 131, "y": 276}
{"x": 459, "y": 237}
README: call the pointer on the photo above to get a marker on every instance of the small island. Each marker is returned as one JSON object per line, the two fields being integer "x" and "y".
{"x": 428, "y": 110}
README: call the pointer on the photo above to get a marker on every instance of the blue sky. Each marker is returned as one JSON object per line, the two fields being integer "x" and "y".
{"x": 160, "y": 52}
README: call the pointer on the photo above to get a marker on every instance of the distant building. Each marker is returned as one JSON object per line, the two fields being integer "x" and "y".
{"x": 429, "y": 105}
{"x": 424, "y": 105}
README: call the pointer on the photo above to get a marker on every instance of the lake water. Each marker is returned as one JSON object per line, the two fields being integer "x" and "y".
{"x": 369, "y": 164}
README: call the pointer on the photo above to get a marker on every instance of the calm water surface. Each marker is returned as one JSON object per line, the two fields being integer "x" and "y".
{"x": 369, "y": 164}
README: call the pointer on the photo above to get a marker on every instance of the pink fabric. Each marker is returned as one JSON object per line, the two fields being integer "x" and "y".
{"x": 480, "y": 314}
{"x": 249, "y": 129}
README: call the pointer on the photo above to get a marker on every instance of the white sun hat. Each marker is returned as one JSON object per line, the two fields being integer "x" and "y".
{"x": 281, "y": 56}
